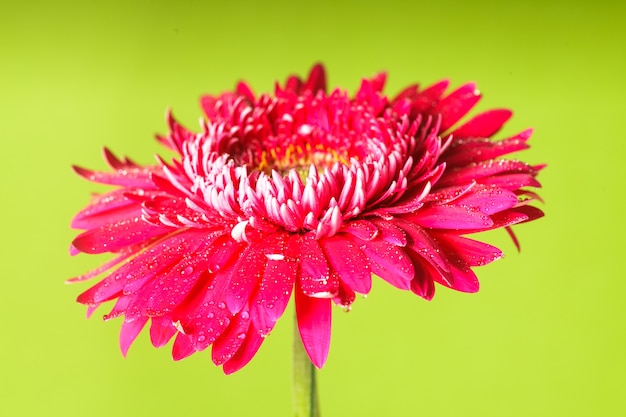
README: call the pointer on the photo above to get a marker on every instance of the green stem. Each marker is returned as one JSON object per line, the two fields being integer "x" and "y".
{"x": 305, "y": 402}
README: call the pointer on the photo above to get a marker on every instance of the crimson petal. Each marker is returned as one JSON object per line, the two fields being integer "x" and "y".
{"x": 349, "y": 262}
{"x": 389, "y": 262}
{"x": 116, "y": 236}
{"x": 314, "y": 325}
{"x": 483, "y": 125}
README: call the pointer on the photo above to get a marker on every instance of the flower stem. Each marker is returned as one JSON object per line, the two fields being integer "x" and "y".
{"x": 304, "y": 389}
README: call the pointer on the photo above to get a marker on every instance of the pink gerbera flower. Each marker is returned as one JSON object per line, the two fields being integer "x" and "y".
{"x": 302, "y": 193}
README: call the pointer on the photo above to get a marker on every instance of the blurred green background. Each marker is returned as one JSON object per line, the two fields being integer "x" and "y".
{"x": 544, "y": 337}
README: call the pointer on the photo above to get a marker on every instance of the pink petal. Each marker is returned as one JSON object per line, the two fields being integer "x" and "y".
{"x": 423, "y": 244}
{"x": 248, "y": 272}
{"x": 489, "y": 200}
{"x": 512, "y": 181}
{"x": 116, "y": 236}
{"x": 132, "y": 177}
{"x": 389, "y": 263}
{"x": 182, "y": 347}
{"x": 423, "y": 284}
{"x": 407, "y": 94}
{"x": 129, "y": 331}
{"x": 482, "y": 170}
{"x": 456, "y": 105}
{"x": 251, "y": 344}
{"x": 349, "y": 262}
{"x": 345, "y": 295}
{"x": 231, "y": 340}
{"x": 103, "y": 268}
{"x": 105, "y": 209}
{"x": 315, "y": 279}
{"x": 279, "y": 274}
{"x": 483, "y": 125}
{"x": 467, "y": 151}
{"x": 451, "y": 217}
{"x": 206, "y": 317}
{"x": 161, "y": 331}
{"x": 516, "y": 215}
{"x": 473, "y": 252}
{"x": 390, "y": 233}
{"x": 317, "y": 79}
{"x": 293, "y": 84}
{"x": 244, "y": 89}
{"x": 425, "y": 101}
{"x": 132, "y": 276}
{"x": 314, "y": 324}
{"x": 465, "y": 279}
{"x": 363, "y": 229}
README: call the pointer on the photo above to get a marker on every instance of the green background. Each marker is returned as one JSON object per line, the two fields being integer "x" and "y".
{"x": 545, "y": 336}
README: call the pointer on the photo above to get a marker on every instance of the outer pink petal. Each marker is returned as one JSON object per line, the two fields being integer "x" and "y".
{"x": 315, "y": 278}
{"x": 425, "y": 101}
{"x": 246, "y": 352}
{"x": 164, "y": 293}
{"x": 483, "y": 170}
{"x": 363, "y": 229}
{"x": 132, "y": 276}
{"x": 182, "y": 347}
{"x": 345, "y": 295}
{"x": 467, "y": 151}
{"x": 512, "y": 181}
{"x": 116, "y": 236}
{"x": 231, "y": 340}
{"x": 423, "y": 284}
{"x": 133, "y": 177}
{"x": 423, "y": 244}
{"x": 106, "y": 209}
{"x": 390, "y": 233}
{"x": 124, "y": 255}
{"x": 349, "y": 262}
{"x": 279, "y": 274}
{"x": 456, "y": 105}
{"x": 314, "y": 324}
{"x": 317, "y": 79}
{"x": 206, "y": 317}
{"x": 389, "y": 262}
{"x": 483, "y": 125}
{"x": 129, "y": 331}
{"x": 471, "y": 251}
{"x": 465, "y": 279}
{"x": 488, "y": 200}
{"x": 161, "y": 331}
{"x": 248, "y": 272}
{"x": 451, "y": 217}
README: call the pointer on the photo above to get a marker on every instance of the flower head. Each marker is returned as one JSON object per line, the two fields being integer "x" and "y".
{"x": 304, "y": 193}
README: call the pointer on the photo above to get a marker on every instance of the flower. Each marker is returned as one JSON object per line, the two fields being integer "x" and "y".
{"x": 302, "y": 193}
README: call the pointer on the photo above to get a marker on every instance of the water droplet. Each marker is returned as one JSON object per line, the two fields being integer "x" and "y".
{"x": 201, "y": 338}
{"x": 241, "y": 336}
{"x": 221, "y": 306}
{"x": 187, "y": 270}
{"x": 245, "y": 315}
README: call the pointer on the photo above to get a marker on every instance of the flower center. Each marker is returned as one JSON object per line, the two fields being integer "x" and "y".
{"x": 300, "y": 158}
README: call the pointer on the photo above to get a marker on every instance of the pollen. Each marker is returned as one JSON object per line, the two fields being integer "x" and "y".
{"x": 300, "y": 158}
